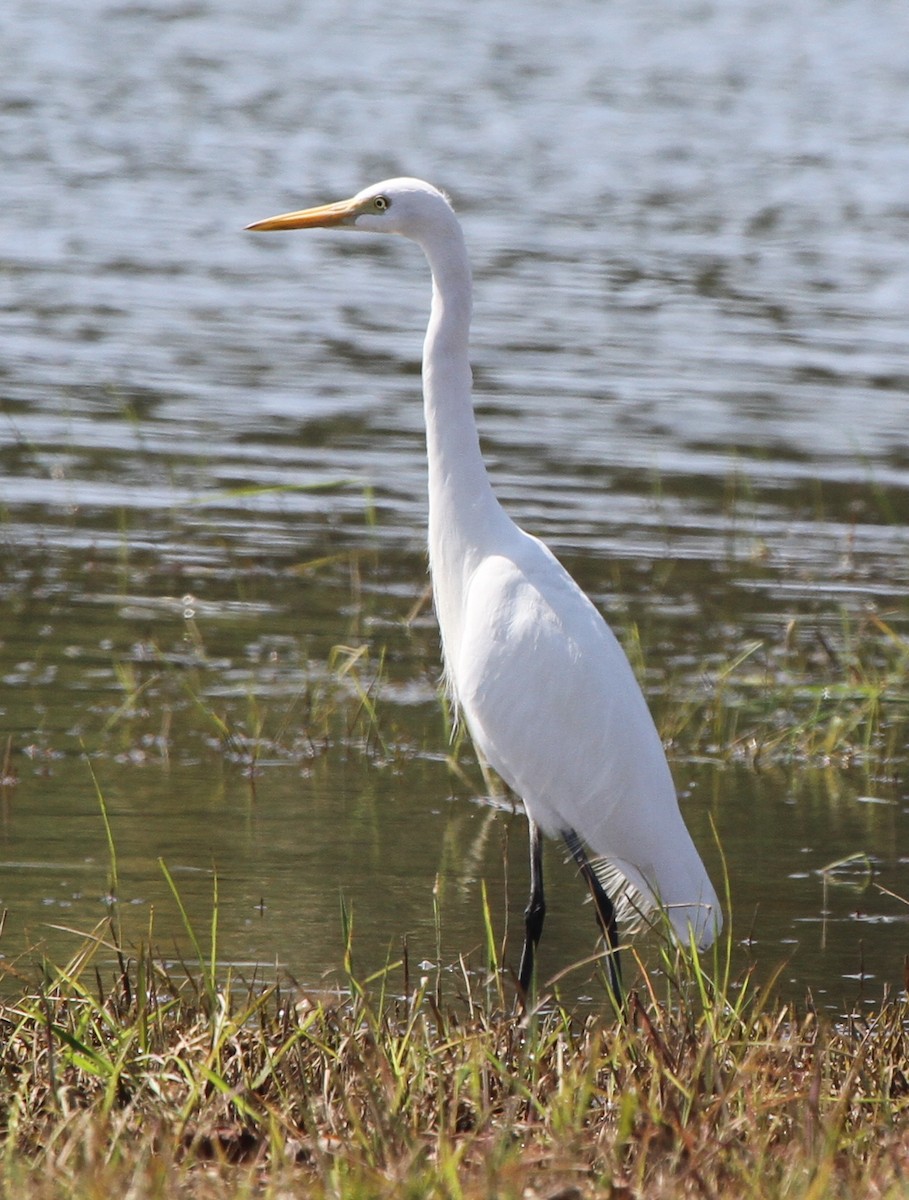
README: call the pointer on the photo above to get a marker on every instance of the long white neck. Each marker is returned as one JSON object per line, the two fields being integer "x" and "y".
{"x": 464, "y": 514}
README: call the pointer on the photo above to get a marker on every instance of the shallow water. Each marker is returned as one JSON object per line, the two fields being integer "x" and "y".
{"x": 688, "y": 227}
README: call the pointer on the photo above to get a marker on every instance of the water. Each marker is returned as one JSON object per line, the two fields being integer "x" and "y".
{"x": 688, "y": 227}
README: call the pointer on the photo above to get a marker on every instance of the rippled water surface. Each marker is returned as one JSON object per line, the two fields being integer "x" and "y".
{"x": 689, "y": 225}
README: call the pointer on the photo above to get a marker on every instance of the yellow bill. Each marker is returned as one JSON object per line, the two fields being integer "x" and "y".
{"x": 310, "y": 218}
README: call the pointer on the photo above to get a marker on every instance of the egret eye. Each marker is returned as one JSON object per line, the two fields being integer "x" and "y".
{"x": 381, "y": 203}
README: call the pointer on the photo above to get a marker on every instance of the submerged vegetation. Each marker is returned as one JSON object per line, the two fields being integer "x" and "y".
{"x": 810, "y": 698}
{"x": 813, "y": 698}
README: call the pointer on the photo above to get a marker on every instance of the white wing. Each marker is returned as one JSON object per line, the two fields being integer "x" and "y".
{"x": 553, "y": 704}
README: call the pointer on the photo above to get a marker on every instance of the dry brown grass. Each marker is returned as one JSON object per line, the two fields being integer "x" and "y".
{"x": 149, "y": 1086}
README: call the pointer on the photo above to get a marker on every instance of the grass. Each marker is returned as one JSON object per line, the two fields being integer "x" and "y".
{"x": 151, "y": 1081}
{"x": 812, "y": 698}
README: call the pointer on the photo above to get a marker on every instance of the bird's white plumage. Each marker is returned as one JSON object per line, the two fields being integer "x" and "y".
{"x": 547, "y": 692}
{"x": 576, "y": 741}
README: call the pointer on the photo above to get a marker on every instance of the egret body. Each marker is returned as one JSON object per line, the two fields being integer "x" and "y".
{"x": 546, "y": 690}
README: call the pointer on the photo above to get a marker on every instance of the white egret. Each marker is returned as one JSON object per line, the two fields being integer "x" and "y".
{"x": 547, "y": 692}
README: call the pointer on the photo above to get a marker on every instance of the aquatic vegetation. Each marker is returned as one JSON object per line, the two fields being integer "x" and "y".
{"x": 815, "y": 694}
{"x": 813, "y": 697}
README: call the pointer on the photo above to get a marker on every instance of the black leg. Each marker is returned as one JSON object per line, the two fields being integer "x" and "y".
{"x": 535, "y": 911}
{"x": 605, "y": 911}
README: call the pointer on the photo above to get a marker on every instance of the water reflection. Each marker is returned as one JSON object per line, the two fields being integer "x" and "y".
{"x": 688, "y": 230}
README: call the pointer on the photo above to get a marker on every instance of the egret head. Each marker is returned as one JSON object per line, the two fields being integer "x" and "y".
{"x": 408, "y": 207}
